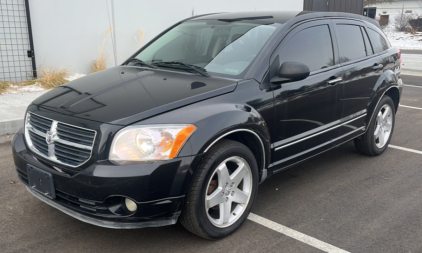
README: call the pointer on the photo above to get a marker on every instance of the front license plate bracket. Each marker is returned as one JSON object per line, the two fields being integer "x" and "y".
{"x": 41, "y": 181}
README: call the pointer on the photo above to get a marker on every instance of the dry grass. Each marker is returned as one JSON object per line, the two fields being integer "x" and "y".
{"x": 51, "y": 77}
{"x": 101, "y": 62}
{"x": 140, "y": 38}
{"x": 4, "y": 85}
{"x": 27, "y": 82}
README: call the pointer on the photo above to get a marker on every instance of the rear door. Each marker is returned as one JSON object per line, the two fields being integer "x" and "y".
{"x": 381, "y": 47}
{"x": 362, "y": 69}
{"x": 306, "y": 111}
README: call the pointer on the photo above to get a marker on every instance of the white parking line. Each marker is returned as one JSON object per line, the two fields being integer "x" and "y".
{"x": 295, "y": 234}
{"x": 406, "y": 149}
{"x": 415, "y": 86}
{"x": 311, "y": 241}
{"x": 412, "y": 107}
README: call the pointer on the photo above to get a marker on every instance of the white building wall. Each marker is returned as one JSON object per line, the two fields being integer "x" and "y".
{"x": 69, "y": 33}
{"x": 412, "y": 7}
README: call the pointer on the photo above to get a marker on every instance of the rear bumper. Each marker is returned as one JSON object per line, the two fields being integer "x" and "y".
{"x": 96, "y": 194}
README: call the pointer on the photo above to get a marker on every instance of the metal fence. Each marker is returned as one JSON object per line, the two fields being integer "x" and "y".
{"x": 17, "y": 61}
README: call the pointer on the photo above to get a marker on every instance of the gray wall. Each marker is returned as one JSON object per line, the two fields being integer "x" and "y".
{"x": 350, "y": 6}
{"x": 69, "y": 33}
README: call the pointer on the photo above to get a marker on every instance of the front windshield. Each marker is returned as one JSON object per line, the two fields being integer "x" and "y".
{"x": 225, "y": 48}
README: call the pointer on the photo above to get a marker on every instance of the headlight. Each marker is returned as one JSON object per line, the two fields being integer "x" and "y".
{"x": 148, "y": 143}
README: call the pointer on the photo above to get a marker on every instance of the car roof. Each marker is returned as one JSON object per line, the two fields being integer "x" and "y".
{"x": 280, "y": 17}
{"x": 268, "y": 16}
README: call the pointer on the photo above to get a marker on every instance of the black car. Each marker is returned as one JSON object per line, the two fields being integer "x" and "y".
{"x": 189, "y": 126}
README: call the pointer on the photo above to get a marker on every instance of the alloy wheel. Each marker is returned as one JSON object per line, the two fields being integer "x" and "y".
{"x": 228, "y": 192}
{"x": 383, "y": 126}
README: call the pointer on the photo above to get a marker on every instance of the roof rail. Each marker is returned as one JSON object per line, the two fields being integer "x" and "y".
{"x": 304, "y": 15}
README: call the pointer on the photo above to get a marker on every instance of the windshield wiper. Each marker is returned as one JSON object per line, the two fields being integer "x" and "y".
{"x": 141, "y": 62}
{"x": 197, "y": 69}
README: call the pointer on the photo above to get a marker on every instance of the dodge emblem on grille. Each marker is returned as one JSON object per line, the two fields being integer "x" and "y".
{"x": 49, "y": 137}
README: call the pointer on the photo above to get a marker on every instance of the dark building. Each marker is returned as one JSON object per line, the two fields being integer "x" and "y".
{"x": 370, "y": 12}
{"x": 350, "y": 6}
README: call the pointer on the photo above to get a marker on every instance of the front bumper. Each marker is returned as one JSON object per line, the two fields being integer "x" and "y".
{"x": 102, "y": 222}
{"x": 96, "y": 194}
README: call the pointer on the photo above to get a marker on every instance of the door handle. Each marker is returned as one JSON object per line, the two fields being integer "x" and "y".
{"x": 336, "y": 80}
{"x": 377, "y": 66}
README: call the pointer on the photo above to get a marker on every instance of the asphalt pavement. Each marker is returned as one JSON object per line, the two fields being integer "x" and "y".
{"x": 350, "y": 201}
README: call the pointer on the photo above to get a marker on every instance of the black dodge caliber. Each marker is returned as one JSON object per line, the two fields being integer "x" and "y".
{"x": 189, "y": 126}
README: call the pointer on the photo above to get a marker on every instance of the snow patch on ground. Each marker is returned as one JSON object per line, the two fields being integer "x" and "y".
{"x": 20, "y": 89}
{"x": 402, "y": 40}
{"x": 74, "y": 76}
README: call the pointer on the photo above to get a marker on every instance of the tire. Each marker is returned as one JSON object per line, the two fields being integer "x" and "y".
{"x": 212, "y": 208}
{"x": 376, "y": 139}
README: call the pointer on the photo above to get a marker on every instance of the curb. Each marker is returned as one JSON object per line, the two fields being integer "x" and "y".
{"x": 10, "y": 126}
{"x": 6, "y": 139}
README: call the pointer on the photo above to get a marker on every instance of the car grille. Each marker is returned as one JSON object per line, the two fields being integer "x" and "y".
{"x": 59, "y": 142}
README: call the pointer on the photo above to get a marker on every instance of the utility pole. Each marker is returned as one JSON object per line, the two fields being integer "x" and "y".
{"x": 114, "y": 33}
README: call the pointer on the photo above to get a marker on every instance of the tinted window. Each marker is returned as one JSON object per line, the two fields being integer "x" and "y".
{"x": 378, "y": 42}
{"x": 350, "y": 43}
{"x": 368, "y": 46}
{"x": 311, "y": 46}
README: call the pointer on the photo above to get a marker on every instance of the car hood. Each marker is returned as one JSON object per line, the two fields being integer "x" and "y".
{"x": 123, "y": 95}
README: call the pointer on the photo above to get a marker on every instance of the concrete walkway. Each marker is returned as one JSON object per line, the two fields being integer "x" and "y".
{"x": 12, "y": 110}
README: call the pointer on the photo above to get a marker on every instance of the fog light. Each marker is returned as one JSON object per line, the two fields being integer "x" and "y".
{"x": 131, "y": 205}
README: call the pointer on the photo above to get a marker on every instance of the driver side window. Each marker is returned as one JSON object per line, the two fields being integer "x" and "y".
{"x": 312, "y": 47}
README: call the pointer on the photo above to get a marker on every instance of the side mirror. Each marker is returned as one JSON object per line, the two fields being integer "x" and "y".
{"x": 290, "y": 72}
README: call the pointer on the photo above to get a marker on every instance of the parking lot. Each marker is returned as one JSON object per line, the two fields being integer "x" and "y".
{"x": 340, "y": 201}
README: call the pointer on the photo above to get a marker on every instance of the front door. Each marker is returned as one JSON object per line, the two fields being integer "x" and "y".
{"x": 306, "y": 111}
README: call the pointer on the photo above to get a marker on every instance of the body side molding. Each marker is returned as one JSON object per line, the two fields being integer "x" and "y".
{"x": 321, "y": 132}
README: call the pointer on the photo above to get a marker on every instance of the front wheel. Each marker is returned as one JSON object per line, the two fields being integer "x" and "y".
{"x": 222, "y": 191}
{"x": 376, "y": 139}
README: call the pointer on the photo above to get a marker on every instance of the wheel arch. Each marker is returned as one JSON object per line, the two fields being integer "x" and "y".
{"x": 253, "y": 141}
{"x": 387, "y": 84}
{"x": 393, "y": 92}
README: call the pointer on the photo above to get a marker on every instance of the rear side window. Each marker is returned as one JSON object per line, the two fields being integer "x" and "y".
{"x": 312, "y": 47}
{"x": 368, "y": 46}
{"x": 350, "y": 43}
{"x": 378, "y": 42}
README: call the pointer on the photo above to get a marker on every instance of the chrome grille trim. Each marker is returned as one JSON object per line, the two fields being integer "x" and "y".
{"x": 68, "y": 153}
